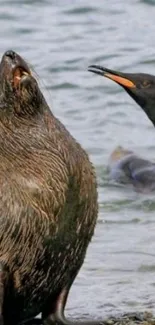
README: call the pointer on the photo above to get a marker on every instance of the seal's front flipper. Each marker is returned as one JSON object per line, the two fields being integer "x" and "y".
{"x": 54, "y": 310}
{"x": 55, "y": 314}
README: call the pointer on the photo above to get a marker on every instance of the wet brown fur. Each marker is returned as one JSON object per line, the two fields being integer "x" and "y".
{"x": 48, "y": 200}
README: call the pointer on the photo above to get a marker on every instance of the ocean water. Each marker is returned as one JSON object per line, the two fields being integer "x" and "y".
{"x": 60, "y": 39}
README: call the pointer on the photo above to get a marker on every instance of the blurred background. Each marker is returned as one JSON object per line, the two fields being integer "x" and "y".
{"x": 60, "y": 39}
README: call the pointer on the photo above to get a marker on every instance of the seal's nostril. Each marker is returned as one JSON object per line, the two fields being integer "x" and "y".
{"x": 11, "y": 54}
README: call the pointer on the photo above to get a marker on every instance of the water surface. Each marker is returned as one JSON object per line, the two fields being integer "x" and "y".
{"x": 60, "y": 39}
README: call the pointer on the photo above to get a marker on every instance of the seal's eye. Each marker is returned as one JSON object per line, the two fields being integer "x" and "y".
{"x": 18, "y": 74}
{"x": 146, "y": 84}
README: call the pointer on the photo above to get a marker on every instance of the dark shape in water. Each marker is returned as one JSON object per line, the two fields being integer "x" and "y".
{"x": 48, "y": 206}
{"x": 141, "y": 87}
{"x": 126, "y": 167}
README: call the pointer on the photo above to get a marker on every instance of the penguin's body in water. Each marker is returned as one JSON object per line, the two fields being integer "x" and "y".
{"x": 125, "y": 167}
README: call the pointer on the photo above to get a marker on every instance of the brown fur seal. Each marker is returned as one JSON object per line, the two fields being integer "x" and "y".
{"x": 126, "y": 167}
{"x": 48, "y": 201}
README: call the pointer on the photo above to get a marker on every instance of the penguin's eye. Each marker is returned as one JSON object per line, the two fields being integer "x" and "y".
{"x": 146, "y": 84}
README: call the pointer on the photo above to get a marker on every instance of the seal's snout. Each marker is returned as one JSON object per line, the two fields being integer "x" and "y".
{"x": 14, "y": 59}
{"x": 14, "y": 68}
{"x": 10, "y": 54}
{"x": 17, "y": 61}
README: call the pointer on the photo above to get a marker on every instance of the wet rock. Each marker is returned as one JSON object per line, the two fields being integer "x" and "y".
{"x": 145, "y": 318}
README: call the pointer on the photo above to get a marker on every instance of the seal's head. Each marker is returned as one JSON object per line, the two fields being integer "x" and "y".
{"x": 19, "y": 92}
